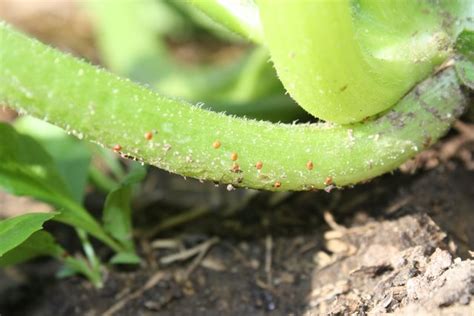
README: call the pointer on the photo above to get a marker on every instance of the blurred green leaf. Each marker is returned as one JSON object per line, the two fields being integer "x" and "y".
{"x": 26, "y": 168}
{"x": 40, "y": 243}
{"x": 139, "y": 31}
{"x": 16, "y": 230}
{"x": 117, "y": 215}
{"x": 73, "y": 266}
{"x": 125, "y": 258}
{"x": 71, "y": 157}
{"x": 136, "y": 173}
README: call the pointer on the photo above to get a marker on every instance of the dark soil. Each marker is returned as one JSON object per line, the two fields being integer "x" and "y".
{"x": 401, "y": 244}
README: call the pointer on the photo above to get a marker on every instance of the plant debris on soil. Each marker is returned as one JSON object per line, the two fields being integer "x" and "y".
{"x": 401, "y": 244}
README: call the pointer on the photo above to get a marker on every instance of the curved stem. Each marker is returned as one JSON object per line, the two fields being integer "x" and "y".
{"x": 346, "y": 60}
{"x": 116, "y": 113}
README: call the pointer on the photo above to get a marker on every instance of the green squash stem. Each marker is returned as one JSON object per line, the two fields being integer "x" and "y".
{"x": 94, "y": 104}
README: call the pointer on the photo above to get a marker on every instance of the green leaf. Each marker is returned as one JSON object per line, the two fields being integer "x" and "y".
{"x": 136, "y": 174}
{"x": 73, "y": 266}
{"x": 117, "y": 216}
{"x": 27, "y": 169}
{"x": 125, "y": 258}
{"x": 16, "y": 230}
{"x": 40, "y": 243}
{"x": 71, "y": 157}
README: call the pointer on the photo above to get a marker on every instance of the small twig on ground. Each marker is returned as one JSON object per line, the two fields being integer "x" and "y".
{"x": 444, "y": 151}
{"x": 154, "y": 280}
{"x": 398, "y": 205}
{"x": 465, "y": 128}
{"x": 307, "y": 247}
{"x": 188, "y": 253}
{"x": 148, "y": 253}
{"x": 332, "y": 222}
{"x": 197, "y": 261}
{"x": 268, "y": 259}
{"x": 239, "y": 255}
{"x": 451, "y": 147}
{"x": 167, "y": 244}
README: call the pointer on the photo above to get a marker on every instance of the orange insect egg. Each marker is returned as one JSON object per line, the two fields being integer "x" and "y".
{"x": 309, "y": 165}
{"x": 277, "y": 184}
{"x": 148, "y": 135}
{"x": 328, "y": 181}
{"x": 117, "y": 148}
{"x": 216, "y": 144}
{"x": 259, "y": 165}
{"x": 234, "y": 156}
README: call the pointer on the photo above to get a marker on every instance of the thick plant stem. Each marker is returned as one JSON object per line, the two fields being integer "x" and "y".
{"x": 345, "y": 60}
{"x": 116, "y": 113}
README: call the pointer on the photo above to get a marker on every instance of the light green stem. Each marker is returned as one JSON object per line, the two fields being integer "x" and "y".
{"x": 346, "y": 60}
{"x": 94, "y": 104}
{"x": 93, "y": 260}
